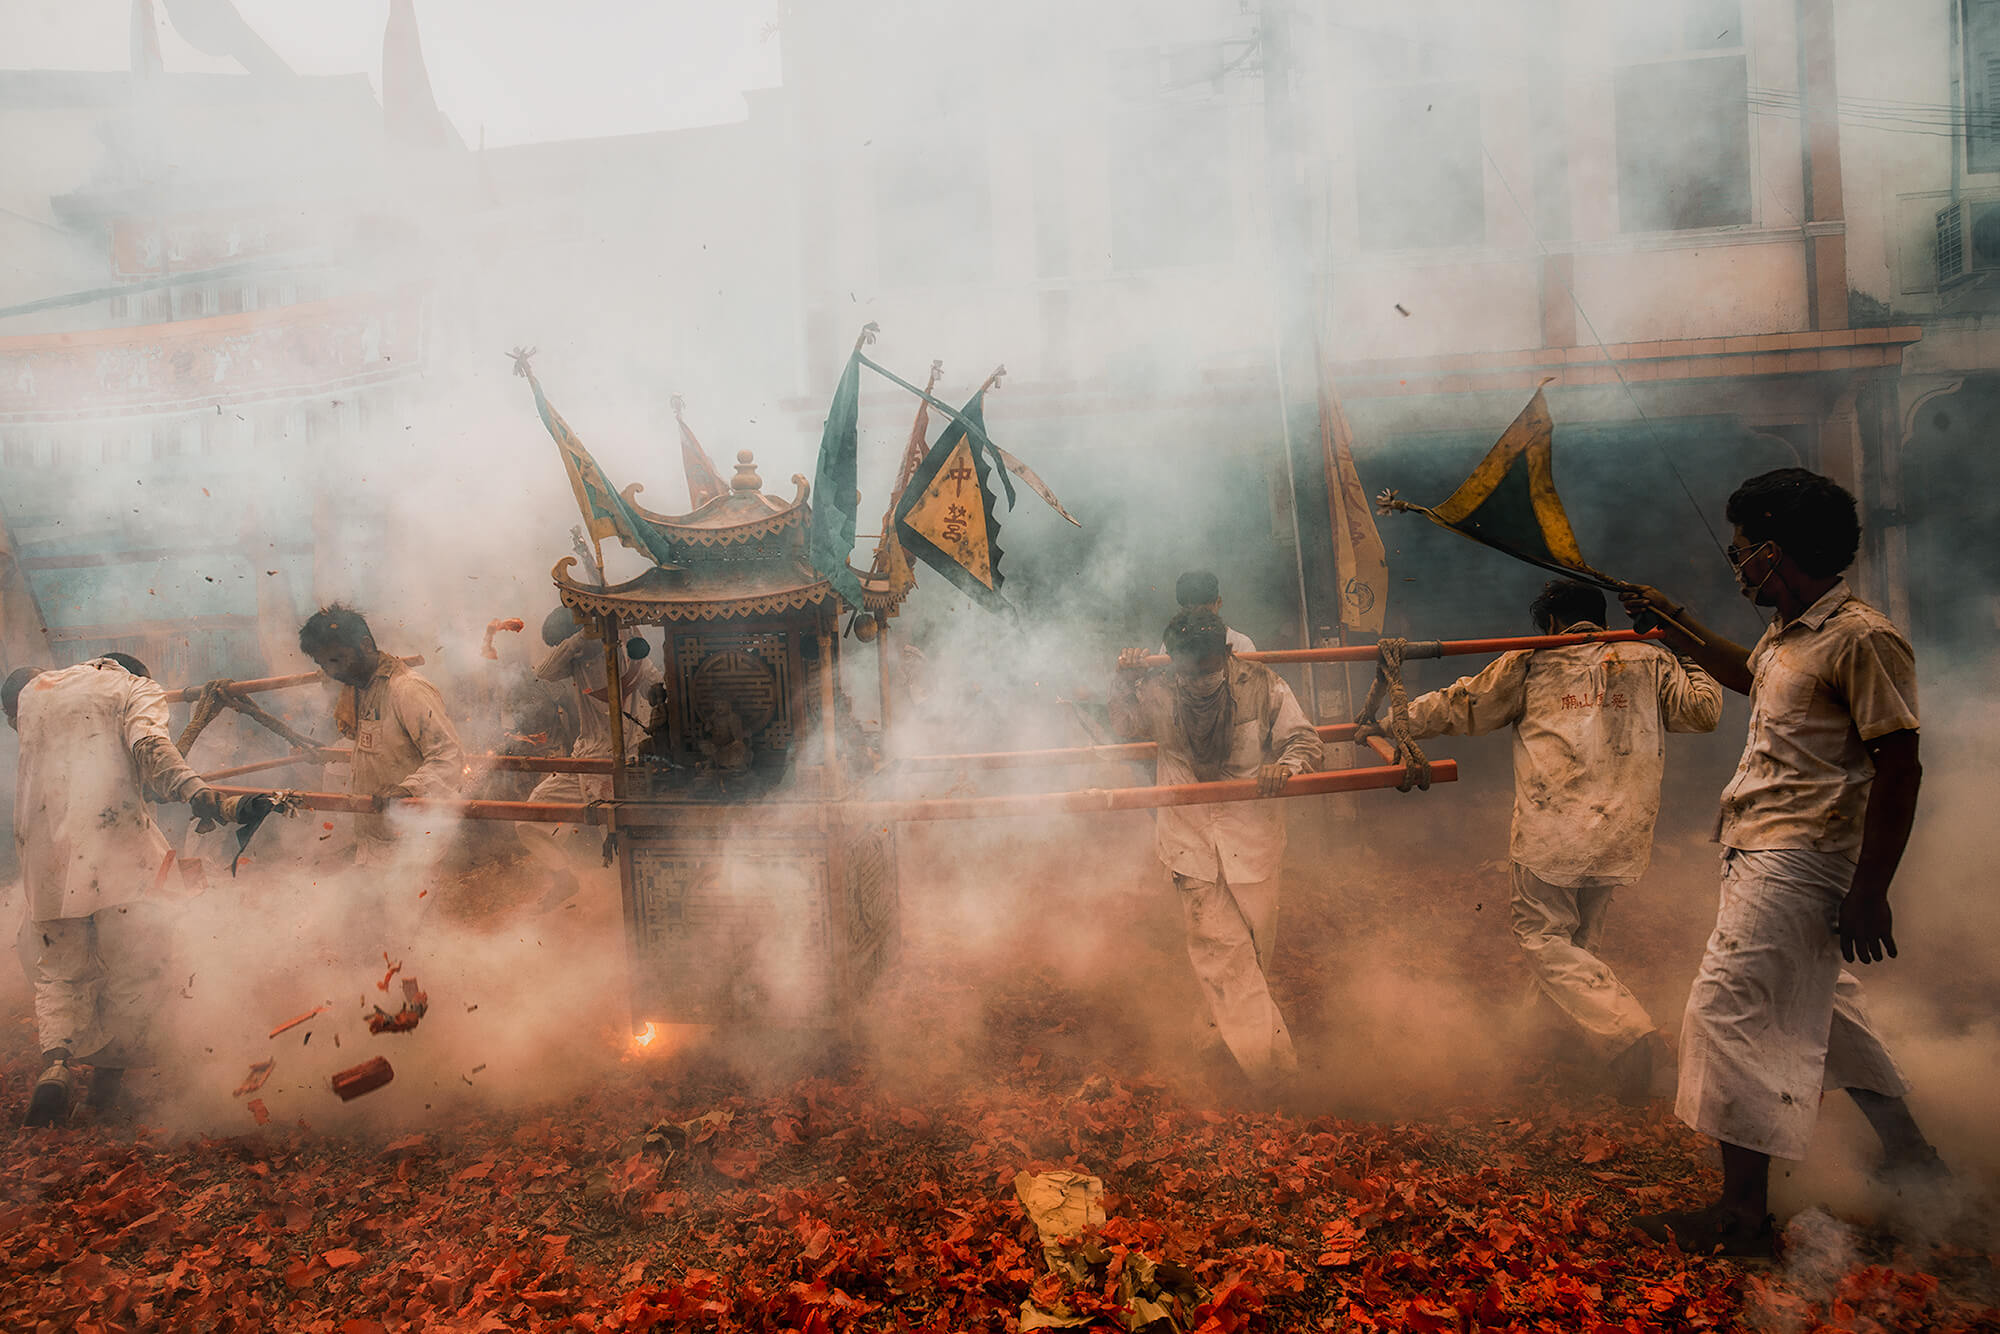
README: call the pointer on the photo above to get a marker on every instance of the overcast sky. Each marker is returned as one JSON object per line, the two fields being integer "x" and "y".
{"x": 524, "y": 70}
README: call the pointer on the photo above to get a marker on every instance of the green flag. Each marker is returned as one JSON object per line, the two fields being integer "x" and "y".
{"x": 605, "y": 513}
{"x": 834, "y": 498}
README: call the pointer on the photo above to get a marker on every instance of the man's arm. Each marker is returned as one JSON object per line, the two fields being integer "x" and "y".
{"x": 1724, "y": 659}
{"x": 559, "y": 663}
{"x": 163, "y": 770}
{"x": 1473, "y": 705}
{"x": 1294, "y": 741}
{"x": 1866, "y": 924}
{"x": 1690, "y": 700}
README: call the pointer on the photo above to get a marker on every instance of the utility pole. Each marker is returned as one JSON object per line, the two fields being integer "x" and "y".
{"x": 1295, "y": 291}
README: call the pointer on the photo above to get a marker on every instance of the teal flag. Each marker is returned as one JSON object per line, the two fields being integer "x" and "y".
{"x": 605, "y": 513}
{"x": 834, "y": 497}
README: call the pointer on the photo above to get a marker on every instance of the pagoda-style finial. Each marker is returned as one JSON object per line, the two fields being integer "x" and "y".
{"x": 746, "y": 478}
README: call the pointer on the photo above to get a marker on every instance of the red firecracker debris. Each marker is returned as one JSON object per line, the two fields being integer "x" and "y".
{"x": 394, "y": 968}
{"x": 253, "y": 1081}
{"x": 294, "y": 1023}
{"x": 415, "y": 1003}
{"x": 366, "y": 1077}
{"x": 258, "y": 1111}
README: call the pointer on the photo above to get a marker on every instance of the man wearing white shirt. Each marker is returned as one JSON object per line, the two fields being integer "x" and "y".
{"x": 98, "y": 936}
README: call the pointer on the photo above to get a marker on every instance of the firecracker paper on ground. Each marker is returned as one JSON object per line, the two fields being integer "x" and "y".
{"x": 901, "y": 1188}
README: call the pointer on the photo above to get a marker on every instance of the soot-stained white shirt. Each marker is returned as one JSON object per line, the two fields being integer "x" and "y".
{"x": 94, "y": 745}
{"x": 1589, "y": 726}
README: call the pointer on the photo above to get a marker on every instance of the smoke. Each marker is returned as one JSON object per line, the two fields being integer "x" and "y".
{"x": 1093, "y": 213}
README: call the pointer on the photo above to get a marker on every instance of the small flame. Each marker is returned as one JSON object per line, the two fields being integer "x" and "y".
{"x": 646, "y": 1036}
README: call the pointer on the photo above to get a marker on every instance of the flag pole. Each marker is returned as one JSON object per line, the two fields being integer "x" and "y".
{"x": 1388, "y": 502}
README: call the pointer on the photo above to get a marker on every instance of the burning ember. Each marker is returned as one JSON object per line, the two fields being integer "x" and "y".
{"x": 646, "y": 1036}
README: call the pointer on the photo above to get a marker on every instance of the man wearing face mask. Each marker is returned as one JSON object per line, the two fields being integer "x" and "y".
{"x": 1812, "y": 827}
{"x": 1590, "y": 724}
{"x": 1215, "y": 717}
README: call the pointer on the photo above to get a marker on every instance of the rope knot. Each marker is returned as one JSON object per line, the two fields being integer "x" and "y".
{"x": 1389, "y": 652}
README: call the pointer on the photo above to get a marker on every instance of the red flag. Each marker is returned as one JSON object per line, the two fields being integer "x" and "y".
{"x": 704, "y": 482}
{"x": 145, "y": 40}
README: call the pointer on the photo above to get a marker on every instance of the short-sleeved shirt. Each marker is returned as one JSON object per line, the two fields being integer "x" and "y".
{"x": 1838, "y": 676}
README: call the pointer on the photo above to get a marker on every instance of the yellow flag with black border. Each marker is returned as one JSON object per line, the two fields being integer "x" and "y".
{"x": 1510, "y": 503}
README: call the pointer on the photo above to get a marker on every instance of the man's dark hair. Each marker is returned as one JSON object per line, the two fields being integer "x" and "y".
{"x": 10, "y": 690}
{"x": 1196, "y": 634}
{"x": 334, "y": 624}
{"x": 1811, "y": 517}
{"x": 1564, "y": 602}
{"x": 130, "y": 664}
{"x": 1197, "y": 588}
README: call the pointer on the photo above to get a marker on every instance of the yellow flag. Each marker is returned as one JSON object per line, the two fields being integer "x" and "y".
{"x": 950, "y": 513}
{"x": 1361, "y": 566}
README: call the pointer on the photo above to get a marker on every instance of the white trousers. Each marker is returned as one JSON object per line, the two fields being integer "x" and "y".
{"x": 1231, "y": 932}
{"x": 1558, "y": 928}
{"x": 1773, "y": 1017}
{"x": 100, "y": 981}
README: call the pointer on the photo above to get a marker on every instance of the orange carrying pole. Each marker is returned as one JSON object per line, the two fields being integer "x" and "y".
{"x": 1434, "y": 648}
{"x": 935, "y": 808}
{"x": 1138, "y": 798}
{"x": 353, "y": 803}
{"x": 258, "y": 685}
{"x": 1134, "y": 751}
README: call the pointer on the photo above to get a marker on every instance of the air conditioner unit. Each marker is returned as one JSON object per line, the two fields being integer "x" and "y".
{"x": 1968, "y": 240}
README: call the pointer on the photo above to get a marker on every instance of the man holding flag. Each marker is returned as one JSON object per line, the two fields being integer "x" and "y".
{"x": 1812, "y": 829}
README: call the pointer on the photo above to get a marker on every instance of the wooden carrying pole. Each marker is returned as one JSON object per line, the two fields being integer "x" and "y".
{"x": 933, "y": 808}
{"x": 353, "y": 803}
{"x": 1432, "y": 648}
{"x": 1134, "y": 751}
{"x": 518, "y": 764}
{"x": 1137, "y": 798}
{"x": 259, "y": 685}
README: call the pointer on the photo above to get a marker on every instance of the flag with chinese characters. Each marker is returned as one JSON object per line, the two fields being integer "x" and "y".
{"x": 605, "y": 513}
{"x": 945, "y": 518}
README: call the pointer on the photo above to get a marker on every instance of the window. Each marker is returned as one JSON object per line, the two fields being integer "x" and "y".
{"x": 1656, "y": 29}
{"x": 1052, "y": 257}
{"x": 1683, "y": 115}
{"x": 1420, "y": 178}
{"x": 1171, "y": 198}
{"x": 933, "y": 215}
{"x": 1982, "y": 85}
